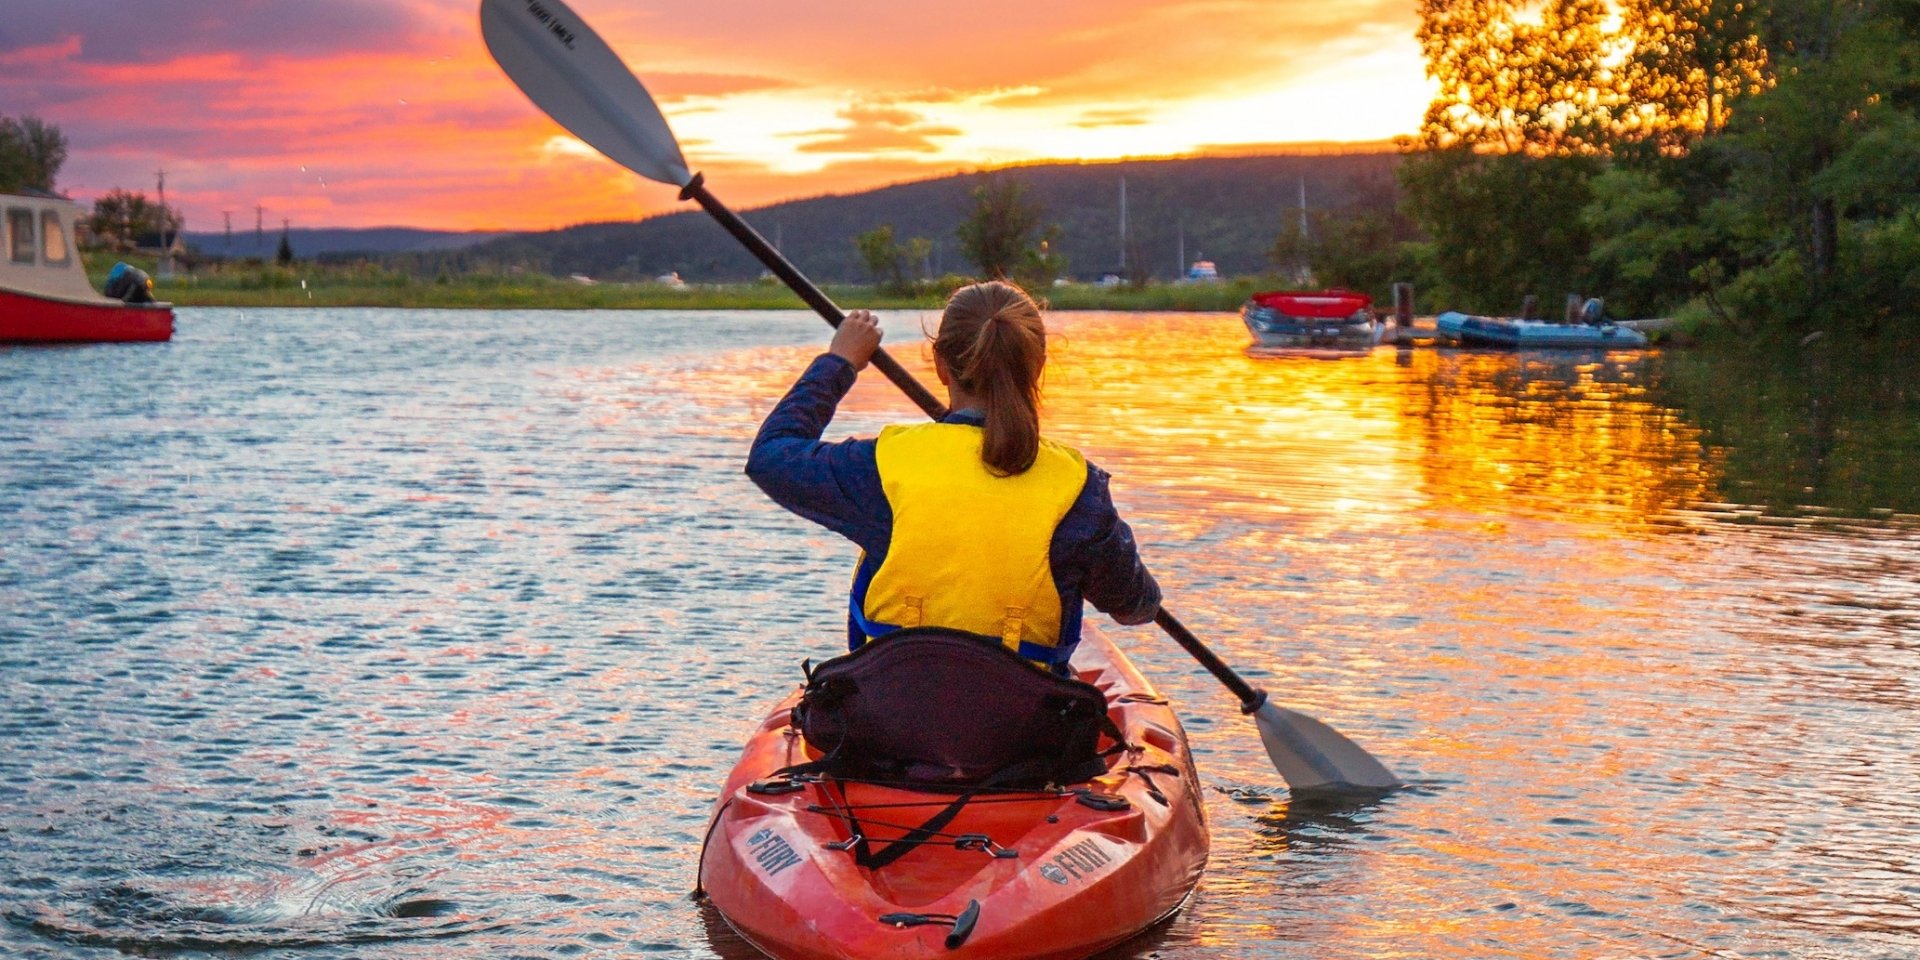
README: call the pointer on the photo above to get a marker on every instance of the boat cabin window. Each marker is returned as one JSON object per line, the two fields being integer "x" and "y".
{"x": 53, "y": 239}
{"x": 20, "y": 235}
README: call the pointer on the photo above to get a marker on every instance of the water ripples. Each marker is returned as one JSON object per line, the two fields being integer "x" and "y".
{"x": 348, "y": 633}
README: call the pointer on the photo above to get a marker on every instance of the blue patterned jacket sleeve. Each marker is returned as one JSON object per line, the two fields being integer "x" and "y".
{"x": 1095, "y": 548}
{"x": 836, "y": 485}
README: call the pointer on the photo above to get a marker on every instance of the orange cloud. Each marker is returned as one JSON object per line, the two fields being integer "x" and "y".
{"x": 877, "y": 129}
{"x": 1111, "y": 118}
{"x": 672, "y": 87}
{"x": 377, "y": 112}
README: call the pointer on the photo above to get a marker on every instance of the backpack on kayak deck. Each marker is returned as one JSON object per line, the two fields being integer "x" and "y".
{"x": 947, "y": 709}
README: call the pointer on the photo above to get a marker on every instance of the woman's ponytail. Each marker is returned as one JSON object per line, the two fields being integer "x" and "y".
{"x": 994, "y": 344}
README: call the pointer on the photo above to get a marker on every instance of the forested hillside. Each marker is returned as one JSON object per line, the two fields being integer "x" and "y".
{"x": 1227, "y": 209}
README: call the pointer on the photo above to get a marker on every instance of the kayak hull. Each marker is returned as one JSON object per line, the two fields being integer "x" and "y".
{"x": 1071, "y": 877}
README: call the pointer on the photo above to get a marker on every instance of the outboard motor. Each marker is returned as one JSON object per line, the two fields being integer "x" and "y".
{"x": 1594, "y": 311}
{"x": 129, "y": 284}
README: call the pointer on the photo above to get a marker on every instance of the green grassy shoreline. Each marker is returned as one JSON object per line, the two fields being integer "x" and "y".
{"x": 367, "y": 285}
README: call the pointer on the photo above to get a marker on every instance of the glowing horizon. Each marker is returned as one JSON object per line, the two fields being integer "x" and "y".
{"x": 387, "y": 114}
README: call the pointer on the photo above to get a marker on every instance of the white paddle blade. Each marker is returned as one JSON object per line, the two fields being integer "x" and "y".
{"x": 1314, "y": 757}
{"x": 568, "y": 71}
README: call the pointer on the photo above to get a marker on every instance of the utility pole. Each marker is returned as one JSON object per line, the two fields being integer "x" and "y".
{"x": 1123, "y": 225}
{"x": 166, "y": 249}
{"x": 1303, "y": 208}
{"x": 1303, "y": 270}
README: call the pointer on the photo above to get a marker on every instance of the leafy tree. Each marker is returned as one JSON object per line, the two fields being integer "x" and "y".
{"x": 1355, "y": 249}
{"x": 888, "y": 260}
{"x": 1759, "y": 156}
{"x": 1508, "y": 84}
{"x": 1808, "y": 155}
{"x": 1518, "y": 128}
{"x": 1652, "y": 250}
{"x": 1043, "y": 263}
{"x": 1003, "y": 235}
{"x": 31, "y": 154}
{"x": 918, "y": 251}
{"x": 1500, "y": 226}
{"x": 880, "y": 253}
{"x": 122, "y": 219}
{"x": 1690, "y": 59}
{"x": 284, "y": 255}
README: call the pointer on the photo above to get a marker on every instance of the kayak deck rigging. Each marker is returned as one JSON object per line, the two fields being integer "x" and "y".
{"x": 1057, "y": 871}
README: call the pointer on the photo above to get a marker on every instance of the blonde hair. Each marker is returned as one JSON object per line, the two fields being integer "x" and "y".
{"x": 994, "y": 344}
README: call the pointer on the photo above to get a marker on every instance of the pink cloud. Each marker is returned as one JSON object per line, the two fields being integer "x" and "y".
{"x": 367, "y": 112}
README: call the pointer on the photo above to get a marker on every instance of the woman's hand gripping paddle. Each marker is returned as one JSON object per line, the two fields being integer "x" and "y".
{"x": 569, "y": 72}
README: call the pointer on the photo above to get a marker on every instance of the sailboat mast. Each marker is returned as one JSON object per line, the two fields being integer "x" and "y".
{"x": 1123, "y": 224}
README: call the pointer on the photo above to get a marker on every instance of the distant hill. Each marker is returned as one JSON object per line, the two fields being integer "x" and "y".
{"x": 1226, "y": 209}
{"x": 322, "y": 242}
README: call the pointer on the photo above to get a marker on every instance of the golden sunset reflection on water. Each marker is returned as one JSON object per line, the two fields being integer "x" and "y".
{"x": 451, "y": 623}
{"x": 1197, "y": 419}
{"x": 1490, "y": 569}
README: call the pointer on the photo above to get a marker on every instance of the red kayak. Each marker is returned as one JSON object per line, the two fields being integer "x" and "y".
{"x": 1057, "y": 872}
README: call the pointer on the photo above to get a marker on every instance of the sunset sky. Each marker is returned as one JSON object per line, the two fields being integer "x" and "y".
{"x": 344, "y": 113}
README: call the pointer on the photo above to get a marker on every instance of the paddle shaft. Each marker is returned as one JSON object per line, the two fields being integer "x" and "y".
{"x": 1251, "y": 697}
{"x": 696, "y": 189}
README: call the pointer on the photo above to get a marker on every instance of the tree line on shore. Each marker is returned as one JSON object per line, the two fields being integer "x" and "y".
{"x": 1750, "y": 163}
{"x": 1747, "y": 164}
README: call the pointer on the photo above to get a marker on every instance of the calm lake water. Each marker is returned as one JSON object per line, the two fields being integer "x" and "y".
{"x": 422, "y": 634}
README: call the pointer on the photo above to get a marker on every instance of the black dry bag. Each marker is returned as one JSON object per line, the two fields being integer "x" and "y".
{"x": 946, "y": 708}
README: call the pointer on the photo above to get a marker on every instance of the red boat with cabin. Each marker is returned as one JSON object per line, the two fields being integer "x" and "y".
{"x": 44, "y": 293}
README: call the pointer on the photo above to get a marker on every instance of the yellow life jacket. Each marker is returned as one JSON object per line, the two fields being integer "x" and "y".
{"x": 969, "y": 550}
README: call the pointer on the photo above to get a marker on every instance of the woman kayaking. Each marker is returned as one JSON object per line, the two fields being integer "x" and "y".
{"x": 975, "y": 522}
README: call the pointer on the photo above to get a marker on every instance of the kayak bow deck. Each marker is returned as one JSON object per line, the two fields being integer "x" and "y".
{"x": 1050, "y": 873}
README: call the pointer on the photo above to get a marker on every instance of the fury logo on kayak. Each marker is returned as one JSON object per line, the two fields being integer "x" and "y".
{"x": 552, "y": 23}
{"x": 771, "y": 851}
{"x": 1077, "y": 861}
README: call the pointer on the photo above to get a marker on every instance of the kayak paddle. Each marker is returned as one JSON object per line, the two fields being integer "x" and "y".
{"x": 569, "y": 72}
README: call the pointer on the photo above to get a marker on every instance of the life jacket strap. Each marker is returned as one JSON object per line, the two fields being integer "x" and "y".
{"x": 1053, "y": 658}
{"x": 871, "y": 629}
